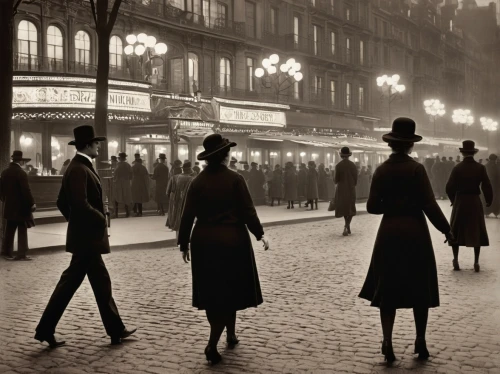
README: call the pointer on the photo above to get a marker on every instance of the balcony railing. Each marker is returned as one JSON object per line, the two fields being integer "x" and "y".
{"x": 162, "y": 10}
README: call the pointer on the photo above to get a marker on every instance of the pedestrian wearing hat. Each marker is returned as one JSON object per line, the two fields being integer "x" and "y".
{"x": 245, "y": 172}
{"x": 312, "y": 193}
{"x": 161, "y": 176}
{"x": 196, "y": 168}
{"x": 467, "y": 217}
{"x": 181, "y": 183}
{"x": 140, "y": 186}
{"x": 256, "y": 183}
{"x": 439, "y": 173}
{"x": 302, "y": 184}
{"x": 224, "y": 271}
{"x": 346, "y": 179}
{"x": 176, "y": 168}
{"x": 64, "y": 166}
{"x": 402, "y": 271}
{"x": 276, "y": 192}
{"x": 291, "y": 182}
{"x": 18, "y": 207}
{"x": 80, "y": 201}
{"x": 494, "y": 175}
{"x": 121, "y": 178}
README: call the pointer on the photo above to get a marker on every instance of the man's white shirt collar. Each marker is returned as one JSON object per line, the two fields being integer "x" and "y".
{"x": 84, "y": 155}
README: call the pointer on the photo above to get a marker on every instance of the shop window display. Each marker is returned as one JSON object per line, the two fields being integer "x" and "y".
{"x": 60, "y": 151}
{"x": 31, "y": 146}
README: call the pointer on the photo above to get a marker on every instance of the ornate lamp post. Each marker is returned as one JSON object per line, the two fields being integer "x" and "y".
{"x": 280, "y": 78}
{"x": 489, "y": 126}
{"x": 391, "y": 89}
{"x": 462, "y": 117}
{"x": 434, "y": 108}
{"x": 142, "y": 44}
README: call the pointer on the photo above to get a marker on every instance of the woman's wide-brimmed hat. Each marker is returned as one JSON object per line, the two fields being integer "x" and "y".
{"x": 403, "y": 130}
{"x": 468, "y": 146}
{"x": 18, "y": 156}
{"x": 345, "y": 151}
{"x": 84, "y": 135}
{"x": 213, "y": 144}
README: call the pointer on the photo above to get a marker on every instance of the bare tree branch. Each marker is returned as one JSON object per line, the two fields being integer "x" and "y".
{"x": 113, "y": 15}
{"x": 14, "y": 10}
{"x": 94, "y": 12}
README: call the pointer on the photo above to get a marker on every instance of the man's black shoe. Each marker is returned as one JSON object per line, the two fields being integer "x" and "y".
{"x": 53, "y": 343}
{"x": 115, "y": 340}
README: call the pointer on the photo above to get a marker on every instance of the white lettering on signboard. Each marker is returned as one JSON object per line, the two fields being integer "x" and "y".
{"x": 254, "y": 117}
{"x": 74, "y": 97}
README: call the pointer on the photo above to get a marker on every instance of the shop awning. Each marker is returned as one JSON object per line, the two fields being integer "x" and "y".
{"x": 163, "y": 108}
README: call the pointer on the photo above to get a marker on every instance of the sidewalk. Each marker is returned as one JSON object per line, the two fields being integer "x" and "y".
{"x": 150, "y": 232}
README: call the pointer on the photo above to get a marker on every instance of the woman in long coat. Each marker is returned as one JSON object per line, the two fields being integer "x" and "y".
{"x": 346, "y": 179}
{"x": 140, "y": 185}
{"x": 302, "y": 183}
{"x": 290, "y": 181}
{"x": 494, "y": 176}
{"x": 276, "y": 191}
{"x": 182, "y": 182}
{"x": 467, "y": 217}
{"x": 224, "y": 271}
{"x": 402, "y": 271}
{"x": 312, "y": 193}
{"x": 121, "y": 179}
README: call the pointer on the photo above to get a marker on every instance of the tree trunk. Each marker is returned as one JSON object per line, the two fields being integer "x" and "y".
{"x": 6, "y": 71}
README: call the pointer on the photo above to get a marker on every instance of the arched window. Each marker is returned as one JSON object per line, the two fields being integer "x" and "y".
{"x": 115, "y": 53}
{"x": 55, "y": 51}
{"x": 194, "y": 73}
{"x": 225, "y": 74}
{"x": 27, "y": 46}
{"x": 82, "y": 51}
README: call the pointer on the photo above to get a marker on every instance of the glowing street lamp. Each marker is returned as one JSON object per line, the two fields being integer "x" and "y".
{"x": 143, "y": 44}
{"x": 462, "y": 117}
{"x": 489, "y": 125}
{"x": 434, "y": 108}
{"x": 391, "y": 88}
{"x": 282, "y": 77}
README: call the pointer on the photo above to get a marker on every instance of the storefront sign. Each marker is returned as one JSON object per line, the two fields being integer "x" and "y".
{"x": 251, "y": 117}
{"x": 74, "y": 97}
{"x": 182, "y": 98}
{"x": 182, "y": 124}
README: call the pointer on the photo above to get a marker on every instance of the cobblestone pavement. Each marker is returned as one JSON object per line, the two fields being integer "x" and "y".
{"x": 311, "y": 320}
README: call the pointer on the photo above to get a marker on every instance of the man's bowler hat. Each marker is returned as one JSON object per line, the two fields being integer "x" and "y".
{"x": 122, "y": 155}
{"x": 85, "y": 135}
{"x": 403, "y": 130}
{"x": 468, "y": 146}
{"x": 213, "y": 144}
{"x": 162, "y": 156}
{"x": 18, "y": 156}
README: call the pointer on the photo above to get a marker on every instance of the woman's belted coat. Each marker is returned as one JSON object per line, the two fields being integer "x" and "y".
{"x": 402, "y": 271}
{"x": 223, "y": 265}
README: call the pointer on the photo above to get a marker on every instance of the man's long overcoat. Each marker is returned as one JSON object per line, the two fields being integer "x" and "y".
{"x": 122, "y": 177}
{"x": 402, "y": 271}
{"x": 222, "y": 259}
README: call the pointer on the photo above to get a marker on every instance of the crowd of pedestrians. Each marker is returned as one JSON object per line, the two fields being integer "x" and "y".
{"x": 219, "y": 202}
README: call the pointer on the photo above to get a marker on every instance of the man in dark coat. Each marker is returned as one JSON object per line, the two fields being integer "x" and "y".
{"x": 140, "y": 186}
{"x": 438, "y": 177}
{"x": 121, "y": 178}
{"x": 256, "y": 184}
{"x": 245, "y": 172}
{"x": 312, "y": 193}
{"x": 290, "y": 184}
{"x": 346, "y": 179}
{"x": 467, "y": 217}
{"x": 494, "y": 175}
{"x": 18, "y": 208}
{"x": 80, "y": 202}
{"x": 161, "y": 175}
{"x": 302, "y": 183}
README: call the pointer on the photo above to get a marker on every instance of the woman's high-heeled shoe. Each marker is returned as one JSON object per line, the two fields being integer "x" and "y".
{"x": 232, "y": 341}
{"x": 345, "y": 233}
{"x": 212, "y": 355}
{"x": 421, "y": 349}
{"x": 387, "y": 351}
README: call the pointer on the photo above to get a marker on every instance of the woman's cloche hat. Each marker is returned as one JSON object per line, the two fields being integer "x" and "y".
{"x": 403, "y": 130}
{"x": 213, "y": 144}
{"x": 84, "y": 135}
{"x": 18, "y": 156}
{"x": 468, "y": 147}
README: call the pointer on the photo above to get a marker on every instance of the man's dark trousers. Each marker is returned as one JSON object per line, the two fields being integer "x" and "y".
{"x": 93, "y": 266}
{"x": 8, "y": 238}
